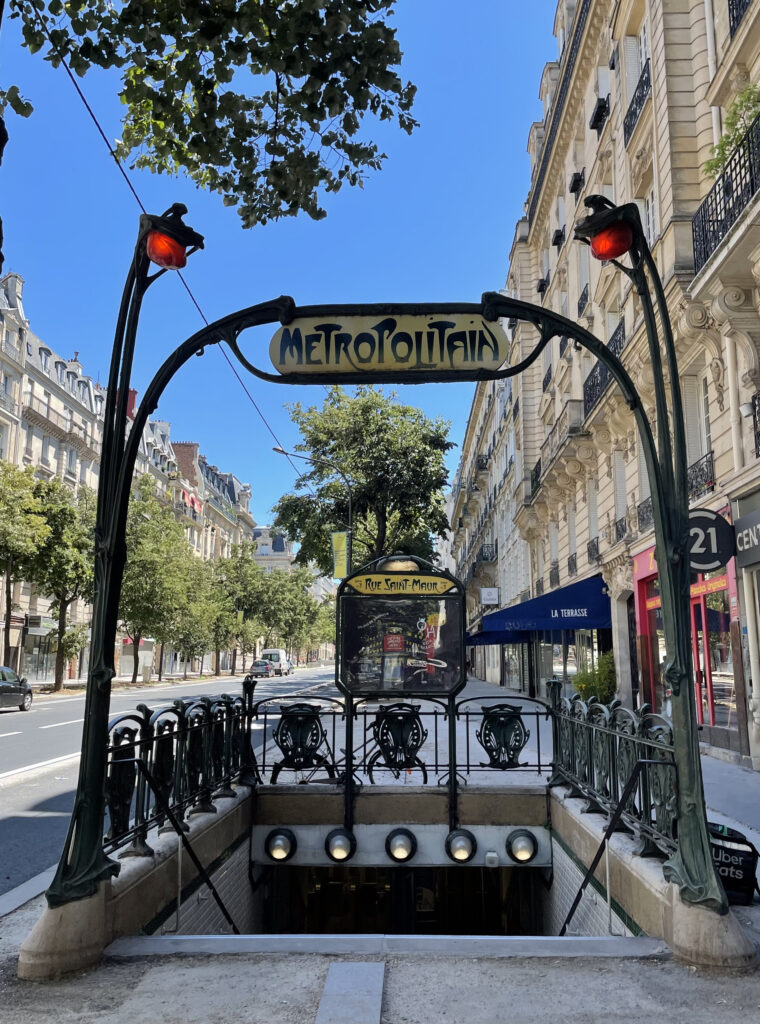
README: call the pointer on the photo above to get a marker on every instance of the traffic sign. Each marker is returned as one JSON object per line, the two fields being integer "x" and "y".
{"x": 712, "y": 540}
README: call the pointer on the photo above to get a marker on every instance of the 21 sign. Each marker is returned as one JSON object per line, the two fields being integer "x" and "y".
{"x": 712, "y": 540}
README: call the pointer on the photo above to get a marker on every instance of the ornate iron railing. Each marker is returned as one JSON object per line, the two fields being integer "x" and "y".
{"x": 596, "y": 749}
{"x": 599, "y": 377}
{"x": 583, "y": 300}
{"x": 554, "y": 575}
{"x": 592, "y": 550}
{"x": 728, "y": 198}
{"x": 547, "y": 379}
{"x": 482, "y": 462}
{"x": 487, "y": 553}
{"x": 645, "y": 514}
{"x": 621, "y": 528}
{"x": 535, "y": 477}
{"x": 194, "y": 749}
{"x": 736, "y": 11}
{"x": 701, "y": 477}
{"x": 756, "y": 422}
{"x": 572, "y": 564}
{"x": 13, "y": 351}
{"x": 639, "y": 98}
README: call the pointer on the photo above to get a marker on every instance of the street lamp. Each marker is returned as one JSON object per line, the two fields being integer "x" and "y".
{"x": 344, "y": 478}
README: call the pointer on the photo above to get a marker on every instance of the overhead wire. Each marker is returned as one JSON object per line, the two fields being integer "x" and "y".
{"x": 138, "y": 200}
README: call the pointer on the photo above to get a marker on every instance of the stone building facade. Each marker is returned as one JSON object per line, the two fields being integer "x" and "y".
{"x": 51, "y": 418}
{"x": 551, "y": 496}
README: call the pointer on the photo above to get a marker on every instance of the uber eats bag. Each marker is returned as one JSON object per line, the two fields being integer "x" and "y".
{"x": 735, "y": 859}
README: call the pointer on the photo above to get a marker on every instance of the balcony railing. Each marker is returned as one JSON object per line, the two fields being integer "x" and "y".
{"x": 7, "y": 403}
{"x": 572, "y": 564}
{"x": 621, "y": 528}
{"x": 569, "y": 422}
{"x": 756, "y": 422}
{"x": 592, "y": 550}
{"x": 222, "y": 507}
{"x": 583, "y": 300}
{"x": 535, "y": 477}
{"x": 596, "y": 383}
{"x": 645, "y": 515}
{"x": 67, "y": 429}
{"x": 701, "y": 477}
{"x": 554, "y": 575}
{"x": 639, "y": 98}
{"x": 728, "y": 198}
{"x": 12, "y": 351}
{"x": 481, "y": 462}
{"x": 487, "y": 553}
{"x": 547, "y": 379}
{"x": 736, "y": 11}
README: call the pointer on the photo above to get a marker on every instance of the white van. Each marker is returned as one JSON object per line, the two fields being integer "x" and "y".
{"x": 279, "y": 660}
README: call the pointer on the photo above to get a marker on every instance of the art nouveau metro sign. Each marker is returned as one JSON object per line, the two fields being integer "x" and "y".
{"x": 382, "y": 342}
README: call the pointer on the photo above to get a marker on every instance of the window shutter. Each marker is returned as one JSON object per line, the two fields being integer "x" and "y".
{"x": 621, "y": 498}
{"x": 571, "y": 529}
{"x": 690, "y": 396}
{"x": 632, "y": 69}
{"x": 644, "y": 489}
{"x": 593, "y": 521}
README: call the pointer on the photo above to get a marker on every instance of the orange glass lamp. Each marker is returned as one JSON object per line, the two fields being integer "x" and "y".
{"x": 613, "y": 241}
{"x": 165, "y": 251}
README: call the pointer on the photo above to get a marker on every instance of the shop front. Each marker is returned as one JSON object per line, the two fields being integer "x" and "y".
{"x": 718, "y": 675}
{"x": 557, "y": 634}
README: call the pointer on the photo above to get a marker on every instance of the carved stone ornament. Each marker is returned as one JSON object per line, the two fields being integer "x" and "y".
{"x": 618, "y": 575}
{"x": 640, "y": 164}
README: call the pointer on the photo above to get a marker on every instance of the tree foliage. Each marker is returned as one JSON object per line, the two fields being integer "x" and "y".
{"x": 156, "y": 574}
{"x": 62, "y": 568}
{"x": 261, "y": 101}
{"x": 597, "y": 681}
{"x": 393, "y": 456}
{"x": 739, "y": 117}
{"x": 22, "y": 530}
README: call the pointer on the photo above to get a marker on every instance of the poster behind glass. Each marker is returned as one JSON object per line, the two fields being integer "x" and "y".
{"x": 397, "y": 646}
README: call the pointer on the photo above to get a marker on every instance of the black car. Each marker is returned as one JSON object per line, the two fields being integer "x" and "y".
{"x": 15, "y": 692}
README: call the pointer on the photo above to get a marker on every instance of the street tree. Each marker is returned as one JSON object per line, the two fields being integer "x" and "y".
{"x": 269, "y": 141}
{"x": 156, "y": 570}
{"x": 393, "y": 456}
{"x": 242, "y": 581}
{"x": 22, "y": 530}
{"x": 191, "y": 631}
{"x": 62, "y": 567}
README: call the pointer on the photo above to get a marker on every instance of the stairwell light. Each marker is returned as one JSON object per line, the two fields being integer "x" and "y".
{"x": 340, "y": 845}
{"x": 280, "y": 844}
{"x": 522, "y": 846}
{"x": 401, "y": 845}
{"x": 461, "y": 845}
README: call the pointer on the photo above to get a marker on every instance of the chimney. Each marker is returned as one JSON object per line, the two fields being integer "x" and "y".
{"x": 131, "y": 403}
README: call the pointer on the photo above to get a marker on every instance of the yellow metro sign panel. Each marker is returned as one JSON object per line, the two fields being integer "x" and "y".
{"x": 381, "y": 584}
{"x": 421, "y": 343}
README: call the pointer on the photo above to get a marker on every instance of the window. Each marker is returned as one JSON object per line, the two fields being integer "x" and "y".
{"x": 71, "y": 460}
{"x": 45, "y": 360}
{"x": 696, "y": 417}
{"x": 635, "y": 55}
{"x": 83, "y": 471}
{"x": 648, "y": 214}
{"x": 706, "y": 432}
{"x": 72, "y": 379}
{"x": 60, "y": 373}
{"x": 644, "y": 489}
{"x": 621, "y": 500}
{"x": 571, "y": 538}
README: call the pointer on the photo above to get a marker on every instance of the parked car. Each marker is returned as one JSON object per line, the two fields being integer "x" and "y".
{"x": 15, "y": 692}
{"x": 262, "y": 668}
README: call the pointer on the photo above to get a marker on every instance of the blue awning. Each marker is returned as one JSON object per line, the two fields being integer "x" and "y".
{"x": 582, "y": 605}
{"x": 496, "y": 636}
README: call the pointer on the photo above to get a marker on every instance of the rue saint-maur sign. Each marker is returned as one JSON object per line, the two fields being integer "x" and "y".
{"x": 407, "y": 342}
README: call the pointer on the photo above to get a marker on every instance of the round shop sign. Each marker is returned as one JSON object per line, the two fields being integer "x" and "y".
{"x": 712, "y": 540}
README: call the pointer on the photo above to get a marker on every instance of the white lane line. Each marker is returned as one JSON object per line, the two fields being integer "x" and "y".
{"x": 55, "y": 725}
{"x": 39, "y": 764}
{"x": 4, "y": 734}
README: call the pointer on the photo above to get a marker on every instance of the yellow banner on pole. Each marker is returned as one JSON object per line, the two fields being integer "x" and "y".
{"x": 340, "y": 555}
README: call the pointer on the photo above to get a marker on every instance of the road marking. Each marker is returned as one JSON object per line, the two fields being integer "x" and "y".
{"x": 39, "y": 764}
{"x": 55, "y": 725}
{"x": 4, "y": 734}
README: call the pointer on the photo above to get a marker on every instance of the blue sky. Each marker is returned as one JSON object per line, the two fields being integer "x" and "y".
{"x": 435, "y": 224}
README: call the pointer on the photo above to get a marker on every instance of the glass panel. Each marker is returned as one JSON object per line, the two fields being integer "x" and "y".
{"x": 655, "y": 692}
{"x": 400, "y": 646}
{"x": 721, "y": 662}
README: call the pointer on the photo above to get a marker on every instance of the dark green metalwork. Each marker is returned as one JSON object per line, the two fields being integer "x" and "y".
{"x": 503, "y": 735}
{"x": 83, "y": 863}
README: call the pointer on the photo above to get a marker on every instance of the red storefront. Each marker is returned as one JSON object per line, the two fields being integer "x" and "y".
{"x": 716, "y": 651}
